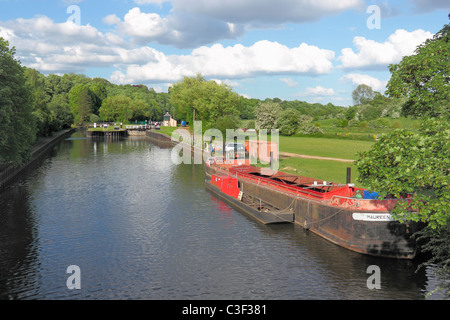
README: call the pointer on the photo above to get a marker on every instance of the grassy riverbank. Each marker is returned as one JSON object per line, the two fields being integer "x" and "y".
{"x": 324, "y": 147}
{"x": 335, "y": 171}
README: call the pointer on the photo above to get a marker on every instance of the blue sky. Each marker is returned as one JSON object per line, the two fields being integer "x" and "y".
{"x": 315, "y": 51}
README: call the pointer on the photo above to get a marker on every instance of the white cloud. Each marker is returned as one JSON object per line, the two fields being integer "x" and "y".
{"x": 192, "y": 23}
{"x": 183, "y": 30}
{"x": 289, "y": 82}
{"x": 318, "y": 91}
{"x": 266, "y": 11}
{"x": 357, "y": 79}
{"x": 232, "y": 62}
{"x": 143, "y": 2}
{"x": 66, "y": 47}
{"x": 376, "y": 55}
{"x": 424, "y": 6}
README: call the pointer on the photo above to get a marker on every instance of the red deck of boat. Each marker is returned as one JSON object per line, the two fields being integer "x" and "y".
{"x": 285, "y": 182}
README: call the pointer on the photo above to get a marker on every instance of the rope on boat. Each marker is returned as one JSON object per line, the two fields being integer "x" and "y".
{"x": 320, "y": 220}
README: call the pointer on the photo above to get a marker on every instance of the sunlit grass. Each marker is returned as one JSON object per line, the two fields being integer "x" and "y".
{"x": 324, "y": 147}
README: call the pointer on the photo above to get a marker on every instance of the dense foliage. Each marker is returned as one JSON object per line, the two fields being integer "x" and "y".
{"x": 424, "y": 78}
{"x": 415, "y": 163}
{"x": 362, "y": 94}
{"x": 267, "y": 114}
{"x": 17, "y": 125}
{"x": 212, "y": 103}
{"x": 418, "y": 163}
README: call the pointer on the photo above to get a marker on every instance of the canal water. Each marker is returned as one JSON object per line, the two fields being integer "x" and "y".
{"x": 140, "y": 227}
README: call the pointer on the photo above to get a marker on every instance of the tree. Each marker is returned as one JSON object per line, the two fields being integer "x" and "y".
{"x": 267, "y": 114}
{"x": 139, "y": 110}
{"x": 98, "y": 94}
{"x": 362, "y": 94}
{"x": 36, "y": 81}
{"x": 116, "y": 108}
{"x": 406, "y": 162}
{"x": 288, "y": 122}
{"x": 17, "y": 127}
{"x": 61, "y": 115}
{"x": 81, "y": 102}
{"x": 424, "y": 78}
{"x": 197, "y": 99}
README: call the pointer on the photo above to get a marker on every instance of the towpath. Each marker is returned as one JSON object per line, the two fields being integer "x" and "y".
{"x": 288, "y": 154}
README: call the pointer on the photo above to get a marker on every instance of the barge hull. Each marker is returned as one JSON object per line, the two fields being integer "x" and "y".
{"x": 342, "y": 225}
{"x": 261, "y": 216}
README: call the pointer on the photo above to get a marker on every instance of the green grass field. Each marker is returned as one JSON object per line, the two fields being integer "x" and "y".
{"x": 333, "y": 171}
{"x": 324, "y": 147}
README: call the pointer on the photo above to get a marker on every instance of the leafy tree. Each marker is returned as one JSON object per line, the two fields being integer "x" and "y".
{"x": 351, "y": 113}
{"x": 362, "y": 94}
{"x": 139, "y": 110}
{"x": 316, "y": 110}
{"x": 98, "y": 94}
{"x": 405, "y": 162}
{"x": 61, "y": 115}
{"x": 247, "y": 107}
{"x": 424, "y": 78}
{"x": 155, "y": 104}
{"x": 197, "y": 99}
{"x": 267, "y": 114}
{"x": 81, "y": 102}
{"x": 36, "y": 81}
{"x": 116, "y": 108}
{"x": 369, "y": 111}
{"x": 288, "y": 122}
{"x": 226, "y": 122}
{"x": 17, "y": 127}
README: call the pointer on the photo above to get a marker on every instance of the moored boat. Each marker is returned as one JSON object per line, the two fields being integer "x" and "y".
{"x": 348, "y": 216}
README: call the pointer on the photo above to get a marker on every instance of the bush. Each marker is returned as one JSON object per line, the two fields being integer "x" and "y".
{"x": 94, "y": 118}
{"x": 380, "y": 123}
{"x": 250, "y": 125}
{"x": 397, "y": 125}
{"x": 353, "y": 123}
{"x": 288, "y": 122}
{"x": 308, "y": 128}
{"x": 342, "y": 123}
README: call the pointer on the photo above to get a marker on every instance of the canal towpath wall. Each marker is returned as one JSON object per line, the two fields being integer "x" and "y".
{"x": 39, "y": 149}
{"x": 164, "y": 140}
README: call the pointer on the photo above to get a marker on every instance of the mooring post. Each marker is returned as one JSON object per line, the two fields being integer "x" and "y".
{"x": 271, "y": 160}
{"x": 349, "y": 175}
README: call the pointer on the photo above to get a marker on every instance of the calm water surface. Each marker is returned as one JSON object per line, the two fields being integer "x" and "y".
{"x": 141, "y": 227}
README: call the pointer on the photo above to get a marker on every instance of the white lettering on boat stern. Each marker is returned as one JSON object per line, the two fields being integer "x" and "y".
{"x": 372, "y": 216}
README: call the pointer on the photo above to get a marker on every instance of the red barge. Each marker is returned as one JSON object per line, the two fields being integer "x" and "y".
{"x": 343, "y": 214}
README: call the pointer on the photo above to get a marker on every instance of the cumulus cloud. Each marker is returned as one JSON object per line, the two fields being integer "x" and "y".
{"x": 192, "y": 23}
{"x": 143, "y": 2}
{"x": 289, "y": 82}
{"x": 183, "y": 30}
{"x": 318, "y": 91}
{"x": 357, "y": 79}
{"x": 424, "y": 6}
{"x": 266, "y": 11}
{"x": 66, "y": 47}
{"x": 232, "y": 62}
{"x": 373, "y": 55}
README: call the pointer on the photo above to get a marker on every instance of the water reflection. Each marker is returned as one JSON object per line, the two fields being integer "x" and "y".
{"x": 140, "y": 227}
